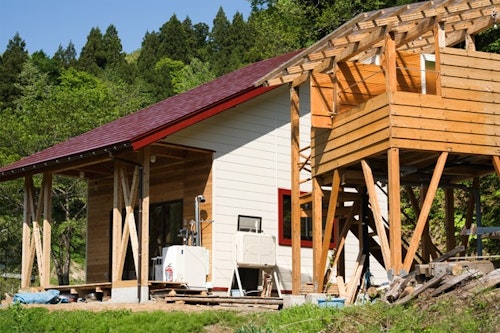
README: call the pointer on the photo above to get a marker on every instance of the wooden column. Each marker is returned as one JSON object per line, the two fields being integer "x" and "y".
{"x": 496, "y": 165}
{"x": 116, "y": 273}
{"x": 317, "y": 230}
{"x": 295, "y": 194}
{"x": 394, "y": 210}
{"x": 424, "y": 212}
{"x": 36, "y": 238}
{"x": 450, "y": 219}
{"x": 375, "y": 207}
{"x": 145, "y": 218}
{"x": 27, "y": 250}
{"x": 439, "y": 43}
{"x": 330, "y": 219}
{"x": 390, "y": 62}
{"x": 47, "y": 227}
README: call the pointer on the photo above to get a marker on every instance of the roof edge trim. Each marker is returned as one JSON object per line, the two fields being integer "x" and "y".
{"x": 202, "y": 114}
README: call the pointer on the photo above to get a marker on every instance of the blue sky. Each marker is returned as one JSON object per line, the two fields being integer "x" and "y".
{"x": 46, "y": 24}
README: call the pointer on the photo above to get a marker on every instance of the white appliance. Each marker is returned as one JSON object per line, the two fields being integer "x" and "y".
{"x": 255, "y": 250}
{"x": 186, "y": 264}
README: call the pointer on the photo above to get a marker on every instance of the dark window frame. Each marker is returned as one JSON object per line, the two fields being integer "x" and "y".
{"x": 283, "y": 238}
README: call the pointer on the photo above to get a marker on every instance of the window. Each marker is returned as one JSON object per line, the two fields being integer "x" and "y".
{"x": 249, "y": 223}
{"x": 285, "y": 221}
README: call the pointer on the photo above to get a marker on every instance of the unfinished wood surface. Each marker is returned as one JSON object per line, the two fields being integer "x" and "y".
{"x": 429, "y": 284}
{"x": 317, "y": 230}
{"x": 449, "y": 218}
{"x": 37, "y": 231}
{"x": 390, "y": 62}
{"x": 358, "y": 135}
{"x": 496, "y": 165}
{"x": 377, "y": 214}
{"x": 354, "y": 280}
{"x": 47, "y": 229}
{"x": 144, "y": 231}
{"x": 345, "y": 229}
{"x": 394, "y": 196}
{"x": 424, "y": 212}
{"x": 295, "y": 193}
{"x": 330, "y": 220}
{"x": 322, "y": 100}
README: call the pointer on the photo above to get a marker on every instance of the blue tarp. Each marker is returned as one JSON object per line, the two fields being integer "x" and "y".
{"x": 44, "y": 297}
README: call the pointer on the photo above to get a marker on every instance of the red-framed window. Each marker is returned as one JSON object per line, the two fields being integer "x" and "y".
{"x": 285, "y": 221}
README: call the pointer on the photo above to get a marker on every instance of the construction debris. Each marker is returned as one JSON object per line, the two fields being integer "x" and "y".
{"x": 438, "y": 278}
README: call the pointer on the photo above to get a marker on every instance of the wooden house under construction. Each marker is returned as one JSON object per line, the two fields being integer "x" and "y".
{"x": 307, "y": 144}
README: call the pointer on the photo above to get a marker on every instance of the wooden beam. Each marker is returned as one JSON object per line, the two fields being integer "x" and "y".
{"x": 345, "y": 229}
{"x": 439, "y": 43}
{"x": 424, "y": 212}
{"x": 390, "y": 62}
{"x": 317, "y": 230}
{"x": 496, "y": 165}
{"x": 145, "y": 217}
{"x": 47, "y": 227}
{"x": 295, "y": 192}
{"x": 330, "y": 219}
{"x": 377, "y": 215}
{"x": 394, "y": 194}
{"x": 450, "y": 219}
{"x": 116, "y": 273}
{"x": 27, "y": 258}
{"x": 470, "y": 213}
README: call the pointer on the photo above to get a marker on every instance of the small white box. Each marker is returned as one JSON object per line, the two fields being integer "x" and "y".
{"x": 255, "y": 250}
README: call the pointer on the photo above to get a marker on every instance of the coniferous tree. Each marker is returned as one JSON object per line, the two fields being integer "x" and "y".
{"x": 12, "y": 62}
{"x": 174, "y": 41}
{"x": 201, "y": 31}
{"x": 240, "y": 39}
{"x": 219, "y": 44}
{"x": 112, "y": 47}
{"x": 65, "y": 57}
{"x": 93, "y": 56}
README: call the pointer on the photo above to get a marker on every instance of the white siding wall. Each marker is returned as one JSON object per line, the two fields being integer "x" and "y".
{"x": 251, "y": 161}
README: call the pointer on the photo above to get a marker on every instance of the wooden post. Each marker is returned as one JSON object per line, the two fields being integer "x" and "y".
{"x": 439, "y": 43}
{"x": 394, "y": 209}
{"x": 47, "y": 219}
{"x": 116, "y": 272}
{"x": 317, "y": 230}
{"x": 450, "y": 219}
{"x": 496, "y": 165}
{"x": 27, "y": 257}
{"x": 390, "y": 62}
{"x": 145, "y": 217}
{"x": 330, "y": 219}
{"x": 295, "y": 193}
{"x": 424, "y": 212}
{"x": 375, "y": 207}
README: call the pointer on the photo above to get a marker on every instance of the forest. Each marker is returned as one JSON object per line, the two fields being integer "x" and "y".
{"x": 45, "y": 99}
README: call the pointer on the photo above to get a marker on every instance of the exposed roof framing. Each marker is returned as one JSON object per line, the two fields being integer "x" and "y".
{"x": 362, "y": 37}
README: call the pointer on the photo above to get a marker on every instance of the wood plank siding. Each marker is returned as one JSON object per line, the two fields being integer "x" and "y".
{"x": 179, "y": 177}
{"x": 465, "y": 119}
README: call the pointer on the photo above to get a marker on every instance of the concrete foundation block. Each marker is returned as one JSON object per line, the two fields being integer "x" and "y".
{"x": 313, "y": 298}
{"x": 293, "y": 300}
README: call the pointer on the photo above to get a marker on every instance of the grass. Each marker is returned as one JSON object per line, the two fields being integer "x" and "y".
{"x": 478, "y": 313}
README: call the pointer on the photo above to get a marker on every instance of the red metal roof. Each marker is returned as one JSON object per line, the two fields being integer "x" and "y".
{"x": 154, "y": 122}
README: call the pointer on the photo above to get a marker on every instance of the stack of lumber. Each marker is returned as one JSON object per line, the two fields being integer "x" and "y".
{"x": 434, "y": 279}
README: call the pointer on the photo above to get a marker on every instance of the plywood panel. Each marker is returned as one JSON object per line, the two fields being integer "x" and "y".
{"x": 358, "y": 133}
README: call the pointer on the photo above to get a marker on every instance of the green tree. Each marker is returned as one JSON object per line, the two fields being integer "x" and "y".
{"x": 192, "y": 75}
{"x": 93, "y": 55}
{"x": 11, "y": 65}
{"x": 65, "y": 57}
{"x": 175, "y": 42}
{"x": 219, "y": 44}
